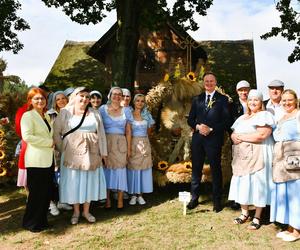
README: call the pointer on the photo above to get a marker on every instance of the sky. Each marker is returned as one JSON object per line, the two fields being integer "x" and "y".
{"x": 226, "y": 20}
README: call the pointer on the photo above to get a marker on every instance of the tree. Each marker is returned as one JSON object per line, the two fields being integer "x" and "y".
{"x": 290, "y": 26}
{"x": 132, "y": 16}
{"x": 9, "y": 24}
{"x": 10, "y": 83}
{"x": 3, "y": 66}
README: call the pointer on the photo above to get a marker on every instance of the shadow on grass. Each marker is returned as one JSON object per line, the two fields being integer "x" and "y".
{"x": 12, "y": 210}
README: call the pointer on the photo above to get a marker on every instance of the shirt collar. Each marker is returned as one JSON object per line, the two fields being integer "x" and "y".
{"x": 271, "y": 104}
{"x": 211, "y": 94}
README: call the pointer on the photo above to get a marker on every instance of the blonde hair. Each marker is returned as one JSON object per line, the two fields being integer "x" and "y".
{"x": 292, "y": 92}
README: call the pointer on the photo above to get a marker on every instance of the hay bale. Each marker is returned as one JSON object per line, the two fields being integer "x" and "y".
{"x": 179, "y": 177}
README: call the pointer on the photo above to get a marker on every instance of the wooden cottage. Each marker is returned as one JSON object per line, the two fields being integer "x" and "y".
{"x": 159, "y": 52}
{"x": 89, "y": 63}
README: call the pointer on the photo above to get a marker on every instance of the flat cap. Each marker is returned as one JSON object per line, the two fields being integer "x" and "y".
{"x": 276, "y": 83}
{"x": 242, "y": 84}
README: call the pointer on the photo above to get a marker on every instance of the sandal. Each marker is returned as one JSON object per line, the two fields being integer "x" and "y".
{"x": 240, "y": 220}
{"x": 90, "y": 218}
{"x": 254, "y": 225}
{"x": 74, "y": 219}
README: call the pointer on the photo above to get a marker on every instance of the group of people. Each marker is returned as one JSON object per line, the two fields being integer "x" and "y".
{"x": 86, "y": 149}
{"x": 265, "y": 155}
{"x": 93, "y": 152}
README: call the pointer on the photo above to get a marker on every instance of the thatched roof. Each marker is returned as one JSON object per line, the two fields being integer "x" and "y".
{"x": 73, "y": 67}
{"x": 231, "y": 61}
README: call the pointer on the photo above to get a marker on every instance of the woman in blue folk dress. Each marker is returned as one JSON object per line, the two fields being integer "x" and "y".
{"x": 117, "y": 124}
{"x": 59, "y": 101}
{"x": 79, "y": 136}
{"x": 285, "y": 202}
{"x": 139, "y": 173}
{"x": 251, "y": 182}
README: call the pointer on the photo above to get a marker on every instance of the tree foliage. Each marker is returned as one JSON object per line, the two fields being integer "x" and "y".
{"x": 151, "y": 11}
{"x": 10, "y": 83}
{"x": 290, "y": 26}
{"x": 10, "y": 23}
{"x": 132, "y": 16}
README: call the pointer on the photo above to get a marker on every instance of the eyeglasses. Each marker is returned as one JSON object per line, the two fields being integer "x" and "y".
{"x": 126, "y": 96}
{"x": 116, "y": 94}
{"x": 39, "y": 98}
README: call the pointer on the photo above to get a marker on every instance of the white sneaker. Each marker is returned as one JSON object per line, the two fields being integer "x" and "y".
{"x": 132, "y": 200}
{"x": 53, "y": 209}
{"x": 64, "y": 206}
{"x": 141, "y": 200}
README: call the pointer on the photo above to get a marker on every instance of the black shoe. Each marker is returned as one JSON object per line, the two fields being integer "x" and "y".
{"x": 192, "y": 204}
{"x": 235, "y": 206}
{"x": 47, "y": 227}
{"x": 34, "y": 230}
{"x": 217, "y": 207}
{"x": 120, "y": 209}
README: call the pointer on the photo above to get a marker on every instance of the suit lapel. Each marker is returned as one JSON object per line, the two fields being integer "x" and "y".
{"x": 216, "y": 96}
{"x": 202, "y": 99}
{"x": 201, "y": 103}
{"x": 215, "y": 99}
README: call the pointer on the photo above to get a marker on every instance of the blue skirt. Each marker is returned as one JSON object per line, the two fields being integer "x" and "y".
{"x": 285, "y": 203}
{"x": 80, "y": 186}
{"x": 140, "y": 181}
{"x": 116, "y": 179}
{"x": 252, "y": 189}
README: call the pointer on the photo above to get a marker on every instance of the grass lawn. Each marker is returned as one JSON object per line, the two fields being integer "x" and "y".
{"x": 157, "y": 225}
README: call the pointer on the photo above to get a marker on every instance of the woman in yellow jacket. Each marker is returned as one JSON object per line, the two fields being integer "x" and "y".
{"x": 37, "y": 132}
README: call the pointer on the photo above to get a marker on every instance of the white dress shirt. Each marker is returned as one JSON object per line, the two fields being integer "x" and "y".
{"x": 276, "y": 110}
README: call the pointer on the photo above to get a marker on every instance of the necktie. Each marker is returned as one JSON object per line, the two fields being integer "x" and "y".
{"x": 207, "y": 100}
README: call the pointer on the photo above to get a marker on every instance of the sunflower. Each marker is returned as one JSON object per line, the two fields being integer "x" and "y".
{"x": 162, "y": 165}
{"x": 2, "y": 154}
{"x": 191, "y": 76}
{"x": 166, "y": 77}
{"x": 3, "y": 171}
{"x": 188, "y": 165}
{"x": 1, "y": 133}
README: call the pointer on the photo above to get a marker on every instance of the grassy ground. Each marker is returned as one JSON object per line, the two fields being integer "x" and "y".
{"x": 157, "y": 225}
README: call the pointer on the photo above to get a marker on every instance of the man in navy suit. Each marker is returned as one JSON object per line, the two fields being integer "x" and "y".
{"x": 209, "y": 118}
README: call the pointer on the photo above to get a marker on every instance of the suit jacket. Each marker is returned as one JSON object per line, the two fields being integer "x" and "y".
{"x": 237, "y": 110}
{"x": 39, "y": 151}
{"x": 265, "y": 102}
{"x": 217, "y": 117}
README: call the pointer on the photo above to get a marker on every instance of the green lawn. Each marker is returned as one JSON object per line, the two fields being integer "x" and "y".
{"x": 157, "y": 225}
